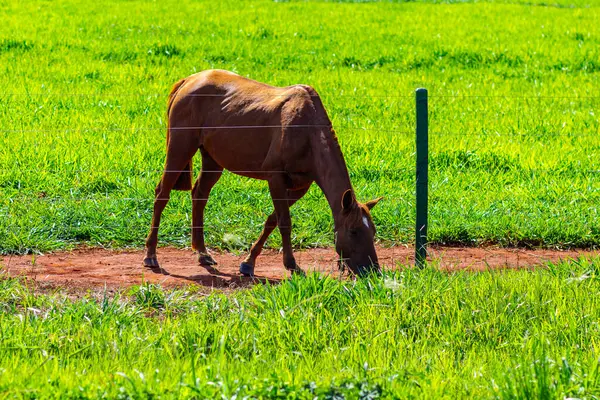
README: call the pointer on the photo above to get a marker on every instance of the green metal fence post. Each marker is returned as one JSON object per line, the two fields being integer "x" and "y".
{"x": 422, "y": 175}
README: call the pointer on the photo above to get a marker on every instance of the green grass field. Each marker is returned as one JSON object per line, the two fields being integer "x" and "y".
{"x": 412, "y": 334}
{"x": 514, "y": 124}
{"x": 83, "y": 99}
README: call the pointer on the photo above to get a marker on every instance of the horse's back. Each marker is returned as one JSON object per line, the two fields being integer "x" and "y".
{"x": 239, "y": 95}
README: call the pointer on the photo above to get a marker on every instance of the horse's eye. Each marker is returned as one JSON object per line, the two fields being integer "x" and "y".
{"x": 353, "y": 232}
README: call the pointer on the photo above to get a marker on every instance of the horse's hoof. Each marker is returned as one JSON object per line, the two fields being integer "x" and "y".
{"x": 206, "y": 259}
{"x": 246, "y": 269}
{"x": 297, "y": 271}
{"x": 151, "y": 262}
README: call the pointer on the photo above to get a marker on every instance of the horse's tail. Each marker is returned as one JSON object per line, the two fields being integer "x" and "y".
{"x": 184, "y": 181}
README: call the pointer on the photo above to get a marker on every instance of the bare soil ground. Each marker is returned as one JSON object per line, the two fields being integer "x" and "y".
{"x": 94, "y": 269}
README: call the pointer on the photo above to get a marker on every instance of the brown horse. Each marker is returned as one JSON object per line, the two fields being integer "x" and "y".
{"x": 281, "y": 135}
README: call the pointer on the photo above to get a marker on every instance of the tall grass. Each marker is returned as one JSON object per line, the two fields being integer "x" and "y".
{"x": 408, "y": 334}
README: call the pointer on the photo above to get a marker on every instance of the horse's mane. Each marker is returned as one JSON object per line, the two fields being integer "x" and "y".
{"x": 337, "y": 150}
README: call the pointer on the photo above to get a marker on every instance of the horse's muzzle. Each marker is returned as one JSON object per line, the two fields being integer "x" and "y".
{"x": 365, "y": 270}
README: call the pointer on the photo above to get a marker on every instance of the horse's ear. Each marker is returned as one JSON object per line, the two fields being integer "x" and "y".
{"x": 348, "y": 200}
{"x": 372, "y": 203}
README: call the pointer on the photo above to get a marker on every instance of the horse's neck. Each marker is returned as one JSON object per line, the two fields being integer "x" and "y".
{"x": 331, "y": 171}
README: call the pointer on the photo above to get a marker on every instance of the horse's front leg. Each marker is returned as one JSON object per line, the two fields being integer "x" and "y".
{"x": 247, "y": 266}
{"x": 278, "y": 191}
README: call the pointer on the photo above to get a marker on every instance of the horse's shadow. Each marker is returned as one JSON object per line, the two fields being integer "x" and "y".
{"x": 218, "y": 279}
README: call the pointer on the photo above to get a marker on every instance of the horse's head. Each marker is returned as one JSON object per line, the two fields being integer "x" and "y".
{"x": 355, "y": 233}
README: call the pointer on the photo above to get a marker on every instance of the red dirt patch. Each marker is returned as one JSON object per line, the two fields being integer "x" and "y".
{"x": 96, "y": 268}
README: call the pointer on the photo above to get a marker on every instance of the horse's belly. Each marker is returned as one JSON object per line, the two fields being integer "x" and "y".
{"x": 241, "y": 151}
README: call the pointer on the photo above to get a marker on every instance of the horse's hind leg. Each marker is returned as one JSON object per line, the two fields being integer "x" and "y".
{"x": 180, "y": 150}
{"x": 247, "y": 266}
{"x": 210, "y": 174}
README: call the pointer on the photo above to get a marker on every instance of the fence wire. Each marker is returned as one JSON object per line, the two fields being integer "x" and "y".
{"x": 320, "y": 95}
